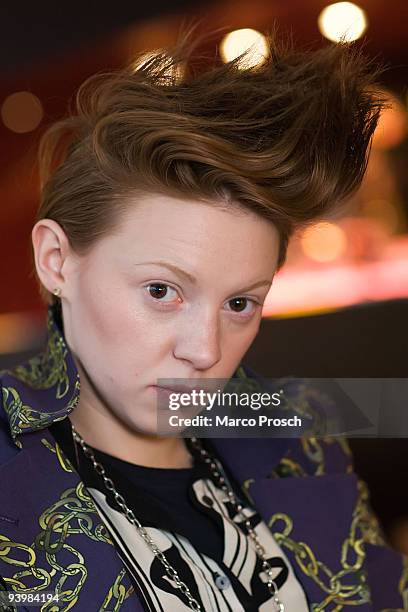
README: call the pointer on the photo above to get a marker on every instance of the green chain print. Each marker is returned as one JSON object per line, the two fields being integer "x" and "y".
{"x": 338, "y": 591}
{"x": 73, "y": 513}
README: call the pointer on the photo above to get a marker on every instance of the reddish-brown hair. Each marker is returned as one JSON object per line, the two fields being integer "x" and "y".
{"x": 288, "y": 139}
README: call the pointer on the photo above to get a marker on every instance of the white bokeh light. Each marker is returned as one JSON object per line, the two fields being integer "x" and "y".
{"x": 342, "y": 20}
{"x": 238, "y": 41}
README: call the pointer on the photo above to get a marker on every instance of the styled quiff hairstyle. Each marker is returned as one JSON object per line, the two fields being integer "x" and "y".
{"x": 288, "y": 139}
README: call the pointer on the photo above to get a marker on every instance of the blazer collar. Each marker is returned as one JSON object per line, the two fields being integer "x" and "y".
{"x": 43, "y": 389}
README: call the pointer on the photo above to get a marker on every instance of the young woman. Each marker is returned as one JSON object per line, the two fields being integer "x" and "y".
{"x": 166, "y": 209}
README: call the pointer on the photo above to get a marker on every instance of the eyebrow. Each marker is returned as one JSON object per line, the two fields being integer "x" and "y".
{"x": 178, "y": 271}
{"x": 171, "y": 267}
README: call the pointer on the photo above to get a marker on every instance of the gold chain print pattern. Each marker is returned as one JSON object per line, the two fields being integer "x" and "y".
{"x": 48, "y": 368}
{"x": 21, "y": 416}
{"x": 339, "y": 592}
{"x": 43, "y": 371}
{"x": 314, "y": 450}
{"x": 73, "y": 513}
{"x": 117, "y": 594}
{"x": 51, "y": 559}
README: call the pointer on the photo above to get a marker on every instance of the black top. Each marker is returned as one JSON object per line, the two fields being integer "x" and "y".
{"x": 160, "y": 497}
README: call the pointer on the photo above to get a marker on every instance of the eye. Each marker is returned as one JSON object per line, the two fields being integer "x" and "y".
{"x": 159, "y": 291}
{"x": 240, "y": 305}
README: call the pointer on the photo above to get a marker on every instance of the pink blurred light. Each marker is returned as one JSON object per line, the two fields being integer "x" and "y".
{"x": 334, "y": 286}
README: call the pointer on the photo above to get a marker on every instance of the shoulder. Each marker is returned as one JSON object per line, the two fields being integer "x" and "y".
{"x": 310, "y": 456}
{"x": 311, "y": 453}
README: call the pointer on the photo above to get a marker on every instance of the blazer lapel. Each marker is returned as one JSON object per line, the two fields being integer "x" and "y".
{"x": 249, "y": 458}
{"x": 316, "y": 519}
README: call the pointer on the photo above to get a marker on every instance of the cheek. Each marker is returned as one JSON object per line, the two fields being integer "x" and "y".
{"x": 235, "y": 345}
{"x": 117, "y": 336}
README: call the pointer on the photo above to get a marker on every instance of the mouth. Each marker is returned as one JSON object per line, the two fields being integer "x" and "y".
{"x": 175, "y": 388}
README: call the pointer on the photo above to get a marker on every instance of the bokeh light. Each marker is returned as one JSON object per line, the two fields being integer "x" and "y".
{"x": 324, "y": 242}
{"x": 238, "y": 41}
{"x": 22, "y": 112}
{"x": 392, "y": 126}
{"x": 342, "y": 20}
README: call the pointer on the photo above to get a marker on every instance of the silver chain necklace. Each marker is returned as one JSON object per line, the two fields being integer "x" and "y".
{"x": 222, "y": 481}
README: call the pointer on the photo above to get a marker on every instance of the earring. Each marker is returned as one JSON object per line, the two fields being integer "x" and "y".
{"x": 57, "y": 291}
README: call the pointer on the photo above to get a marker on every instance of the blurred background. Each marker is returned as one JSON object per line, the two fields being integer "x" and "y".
{"x": 339, "y": 307}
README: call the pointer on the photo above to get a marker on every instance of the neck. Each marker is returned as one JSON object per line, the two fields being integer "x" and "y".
{"x": 104, "y": 432}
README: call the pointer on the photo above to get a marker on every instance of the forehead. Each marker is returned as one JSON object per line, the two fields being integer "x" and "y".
{"x": 194, "y": 231}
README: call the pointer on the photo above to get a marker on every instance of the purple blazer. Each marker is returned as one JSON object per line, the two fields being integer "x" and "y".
{"x": 53, "y": 539}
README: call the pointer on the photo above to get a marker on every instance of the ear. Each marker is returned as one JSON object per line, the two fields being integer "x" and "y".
{"x": 51, "y": 251}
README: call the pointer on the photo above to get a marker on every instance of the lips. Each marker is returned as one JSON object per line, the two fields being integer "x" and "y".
{"x": 177, "y": 388}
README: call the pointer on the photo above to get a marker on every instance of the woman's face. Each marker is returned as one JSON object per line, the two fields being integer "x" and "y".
{"x": 157, "y": 298}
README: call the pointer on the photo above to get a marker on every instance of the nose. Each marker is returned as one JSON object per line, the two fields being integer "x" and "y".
{"x": 199, "y": 341}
